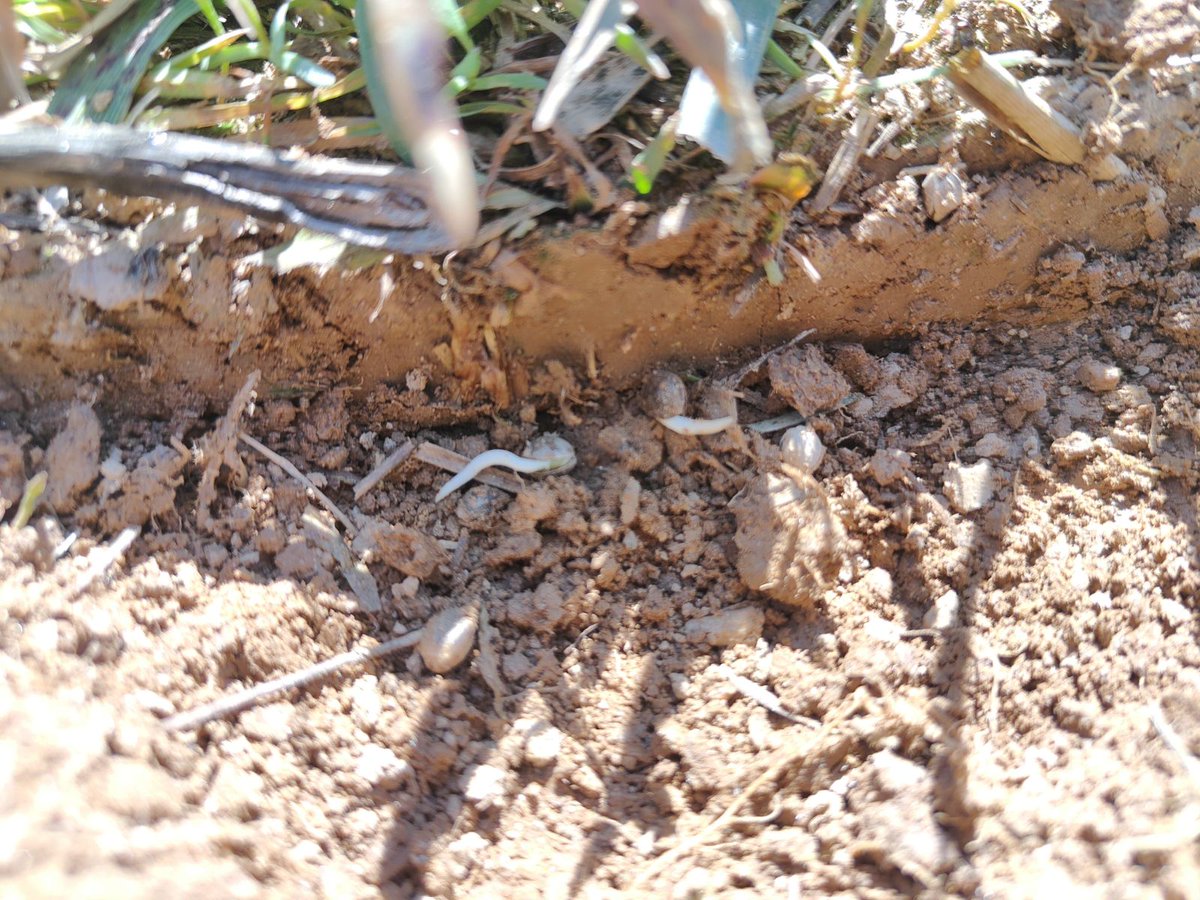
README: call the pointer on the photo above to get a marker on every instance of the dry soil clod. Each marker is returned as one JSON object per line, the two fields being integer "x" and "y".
{"x": 789, "y": 542}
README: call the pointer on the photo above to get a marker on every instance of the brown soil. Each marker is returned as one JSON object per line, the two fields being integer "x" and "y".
{"x": 960, "y": 658}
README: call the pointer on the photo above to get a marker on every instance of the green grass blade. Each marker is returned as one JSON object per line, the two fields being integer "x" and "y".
{"x": 34, "y": 488}
{"x": 452, "y": 20}
{"x": 464, "y": 74}
{"x": 99, "y": 84}
{"x": 294, "y": 64}
{"x": 247, "y": 15}
{"x": 210, "y": 16}
{"x": 777, "y": 56}
{"x": 195, "y": 56}
{"x": 476, "y": 11}
{"x": 649, "y": 163}
{"x": 278, "y": 33}
{"x": 513, "y": 81}
{"x": 490, "y": 108}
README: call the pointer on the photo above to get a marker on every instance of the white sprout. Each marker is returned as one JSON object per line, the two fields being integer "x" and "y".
{"x": 690, "y": 426}
{"x": 546, "y": 454}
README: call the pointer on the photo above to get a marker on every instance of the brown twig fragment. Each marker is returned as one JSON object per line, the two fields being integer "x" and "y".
{"x": 1174, "y": 742}
{"x": 235, "y": 703}
{"x": 303, "y": 479}
{"x": 381, "y": 471}
{"x": 218, "y": 449}
{"x": 1004, "y": 100}
{"x": 101, "y": 559}
{"x": 845, "y": 160}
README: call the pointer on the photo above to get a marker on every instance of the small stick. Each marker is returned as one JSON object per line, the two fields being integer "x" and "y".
{"x": 764, "y": 697}
{"x": 303, "y": 479}
{"x": 845, "y": 159}
{"x": 456, "y": 462}
{"x": 235, "y": 703}
{"x": 782, "y": 759}
{"x": 1010, "y": 105}
{"x": 489, "y": 660}
{"x": 787, "y": 420}
{"x": 741, "y": 374}
{"x": 1174, "y": 742}
{"x": 381, "y": 471}
{"x": 104, "y": 558}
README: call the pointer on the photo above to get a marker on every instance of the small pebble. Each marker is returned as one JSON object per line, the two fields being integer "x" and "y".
{"x": 1070, "y": 449}
{"x": 631, "y": 495}
{"x": 485, "y": 786}
{"x": 882, "y": 630}
{"x": 944, "y": 612}
{"x": 992, "y": 446}
{"x": 1174, "y": 613}
{"x": 382, "y": 768}
{"x": 969, "y": 488}
{"x": 480, "y": 507}
{"x": 543, "y": 742}
{"x": 802, "y": 449}
{"x": 889, "y": 466}
{"x": 1098, "y": 377}
{"x": 878, "y": 584}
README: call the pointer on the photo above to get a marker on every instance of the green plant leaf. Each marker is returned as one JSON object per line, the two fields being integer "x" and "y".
{"x": 649, "y": 163}
{"x": 98, "y": 86}
{"x": 514, "y": 81}
{"x": 278, "y": 32}
{"x": 464, "y": 74}
{"x": 247, "y": 15}
{"x": 452, "y": 20}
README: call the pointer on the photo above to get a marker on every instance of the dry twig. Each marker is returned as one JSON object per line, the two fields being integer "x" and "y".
{"x": 303, "y": 479}
{"x": 242, "y": 700}
{"x": 101, "y": 559}
{"x": 381, "y": 471}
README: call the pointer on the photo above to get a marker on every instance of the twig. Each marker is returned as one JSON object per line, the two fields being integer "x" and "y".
{"x": 99, "y": 561}
{"x": 381, "y": 471}
{"x": 303, "y": 479}
{"x": 456, "y": 462}
{"x": 984, "y": 645}
{"x": 934, "y": 633}
{"x": 845, "y": 160}
{"x": 489, "y": 660}
{"x": 787, "y": 420}
{"x": 357, "y": 575}
{"x": 1174, "y": 742}
{"x": 762, "y": 696}
{"x": 783, "y": 759}
{"x": 741, "y": 374}
{"x": 235, "y": 703}
{"x": 371, "y": 204}
{"x": 218, "y": 449}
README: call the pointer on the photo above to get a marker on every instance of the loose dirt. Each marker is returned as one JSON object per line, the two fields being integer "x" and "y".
{"x": 960, "y": 657}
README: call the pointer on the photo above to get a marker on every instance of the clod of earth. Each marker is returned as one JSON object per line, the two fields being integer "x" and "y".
{"x": 790, "y": 543}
